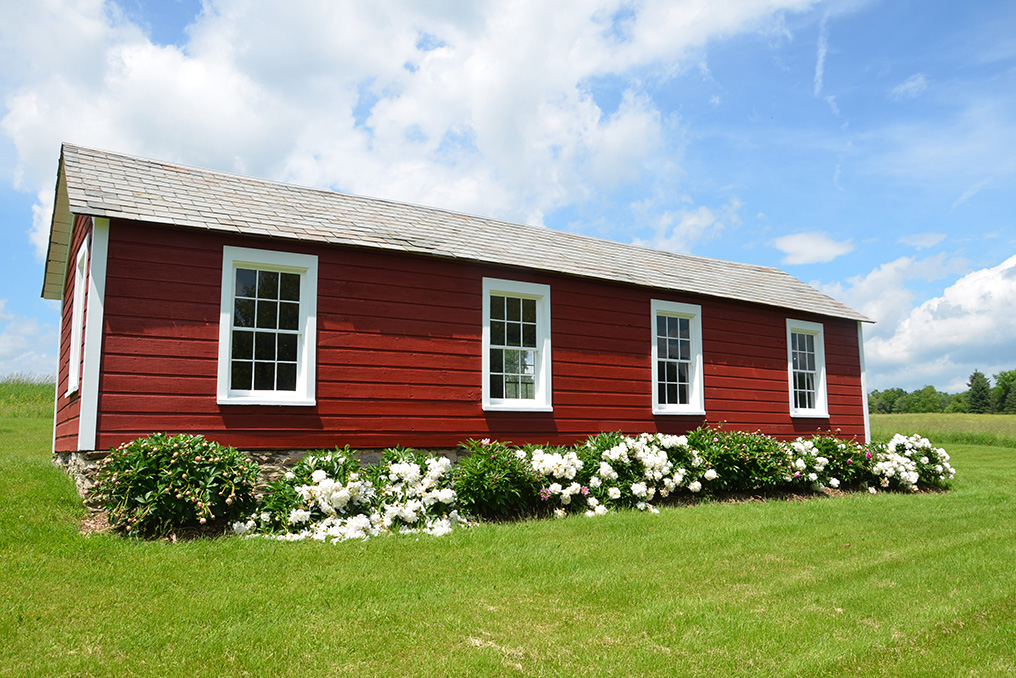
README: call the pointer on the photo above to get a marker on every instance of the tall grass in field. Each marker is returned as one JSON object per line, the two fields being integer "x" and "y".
{"x": 943, "y": 428}
{"x": 24, "y": 395}
{"x": 860, "y": 585}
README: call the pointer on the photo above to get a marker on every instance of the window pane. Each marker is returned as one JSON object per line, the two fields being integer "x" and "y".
{"x": 241, "y": 375}
{"x": 685, "y": 326}
{"x": 496, "y": 386}
{"x": 682, "y": 373}
{"x": 682, "y": 394}
{"x": 685, "y": 349}
{"x": 672, "y": 394}
{"x": 672, "y": 327}
{"x": 527, "y": 389}
{"x": 497, "y": 332}
{"x": 246, "y": 282}
{"x": 268, "y": 285}
{"x": 289, "y": 286}
{"x": 529, "y": 336}
{"x": 243, "y": 313}
{"x": 243, "y": 344}
{"x": 289, "y": 316}
{"x": 264, "y": 346}
{"x": 513, "y": 308}
{"x": 529, "y": 310}
{"x": 496, "y": 307}
{"x": 661, "y": 347}
{"x": 268, "y": 314}
{"x": 661, "y": 371}
{"x": 661, "y": 393}
{"x": 511, "y": 388}
{"x": 673, "y": 348}
{"x": 264, "y": 376}
{"x": 287, "y": 347}
{"x": 511, "y": 362}
{"x": 496, "y": 360}
{"x": 671, "y": 371}
{"x": 661, "y": 326}
{"x": 286, "y": 380}
{"x": 527, "y": 362}
{"x": 514, "y": 334}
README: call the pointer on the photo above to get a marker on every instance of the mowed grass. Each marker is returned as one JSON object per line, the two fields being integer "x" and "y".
{"x": 888, "y": 585}
{"x": 975, "y": 429}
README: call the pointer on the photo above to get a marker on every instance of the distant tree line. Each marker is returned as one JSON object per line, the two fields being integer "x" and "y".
{"x": 979, "y": 398}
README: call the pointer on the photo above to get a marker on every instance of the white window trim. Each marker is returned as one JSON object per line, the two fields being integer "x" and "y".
{"x": 821, "y": 409}
{"x": 696, "y": 390}
{"x": 543, "y": 387}
{"x": 306, "y": 374}
{"x": 77, "y": 320}
{"x": 91, "y": 359}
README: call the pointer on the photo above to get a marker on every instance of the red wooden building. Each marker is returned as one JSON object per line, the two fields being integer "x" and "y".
{"x": 270, "y": 316}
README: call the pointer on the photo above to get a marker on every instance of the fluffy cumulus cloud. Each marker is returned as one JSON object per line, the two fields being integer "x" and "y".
{"x": 942, "y": 340}
{"x": 487, "y": 107}
{"x": 27, "y": 346}
{"x": 811, "y": 248}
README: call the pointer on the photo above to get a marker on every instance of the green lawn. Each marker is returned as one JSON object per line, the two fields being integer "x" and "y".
{"x": 888, "y": 585}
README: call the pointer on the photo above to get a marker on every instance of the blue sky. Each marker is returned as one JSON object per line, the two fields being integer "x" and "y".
{"x": 864, "y": 147}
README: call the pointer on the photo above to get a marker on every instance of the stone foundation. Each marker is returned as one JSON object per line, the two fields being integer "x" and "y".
{"x": 82, "y": 466}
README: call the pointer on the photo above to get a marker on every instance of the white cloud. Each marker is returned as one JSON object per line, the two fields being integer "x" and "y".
{"x": 941, "y": 341}
{"x": 910, "y": 88}
{"x": 677, "y": 230}
{"x": 810, "y": 248}
{"x": 27, "y": 346}
{"x": 970, "y": 192}
{"x": 884, "y": 295}
{"x": 922, "y": 241}
{"x": 483, "y": 107}
{"x": 820, "y": 56}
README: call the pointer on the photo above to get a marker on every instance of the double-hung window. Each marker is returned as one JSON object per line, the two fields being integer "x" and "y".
{"x": 677, "y": 358}
{"x": 516, "y": 346}
{"x": 267, "y": 327}
{"x": 806, "y": 369}
{"x": 77, "y": 319}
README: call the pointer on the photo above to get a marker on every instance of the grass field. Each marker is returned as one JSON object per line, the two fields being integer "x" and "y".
{"x": 975, "y": 429}
{"x": 887, "y": 585}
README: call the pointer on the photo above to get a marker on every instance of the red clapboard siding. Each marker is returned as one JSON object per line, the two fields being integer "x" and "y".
{"x": 399, "y": 353}
{"x": 68, "y": 408}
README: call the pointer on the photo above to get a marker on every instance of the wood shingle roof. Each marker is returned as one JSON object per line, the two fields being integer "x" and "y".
{"x": 102, "y": 184}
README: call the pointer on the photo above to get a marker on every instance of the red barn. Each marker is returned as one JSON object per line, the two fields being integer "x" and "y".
{"x": 270, "y": 316}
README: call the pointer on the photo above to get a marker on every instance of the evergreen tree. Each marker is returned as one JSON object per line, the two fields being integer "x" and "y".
{"x": 979, "y": 396}
{"x": 1005, "y": 384}
{"x": 1009, "y": 407}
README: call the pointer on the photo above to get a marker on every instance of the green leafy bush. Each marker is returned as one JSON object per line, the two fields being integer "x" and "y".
{"x": 495, "y": 482}
{"x": 153, "y": 485}
{"x": 742, "y": 461}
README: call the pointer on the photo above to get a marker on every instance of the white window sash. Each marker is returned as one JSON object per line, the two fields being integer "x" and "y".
{"x": 816, "y": 330}
{"x": 542, "y": 381}
{"x": 283, "y": 262}
{"x": 696, "y": 387}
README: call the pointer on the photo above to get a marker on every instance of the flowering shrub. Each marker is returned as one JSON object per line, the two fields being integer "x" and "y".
{"x": 906, "y": 461}
{"x": 633, "y": 471}
{"x": 495, "y": 482}
{"x": 329, "y": 496}
{"x": 153, "y": 485}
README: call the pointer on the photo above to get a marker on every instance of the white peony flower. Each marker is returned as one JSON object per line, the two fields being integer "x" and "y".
{"x": 710, "y": 475}
{"x": 695, "y": 486}
{"x": 614, "y": 493}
